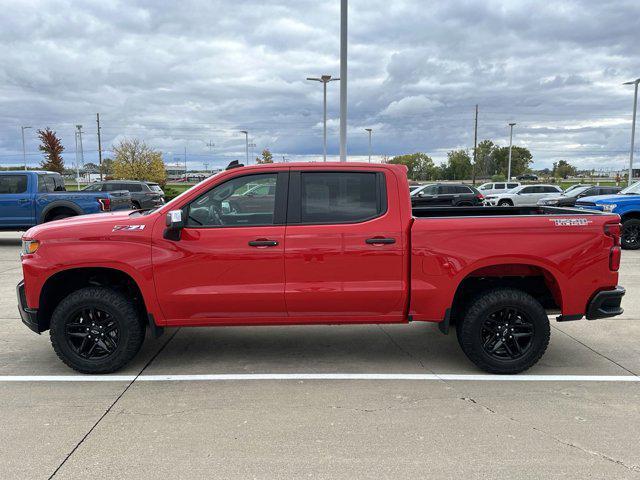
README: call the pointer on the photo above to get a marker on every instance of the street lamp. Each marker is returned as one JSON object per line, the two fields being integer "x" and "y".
{"x": 24, "y": 149}
{"x": 246, "y": 135}
{"x": 633, "y": 125}
{"x": 369, "y": 130}
{"x": 324, "y": 79}
{"x": 510, "y": 146}
{"x": 344, "y": 10}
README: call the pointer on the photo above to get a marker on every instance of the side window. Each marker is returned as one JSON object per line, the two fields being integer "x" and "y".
{"x": 133, "y": 187}
{"x": 341, "y": 197}
{"x": 500, "y": 186}
{"x": 58, "y": 181}
{"x": 528, "y": 190}
{"x": 463, "y": 189}
{"x": 445, "y": 190}
{"x": 228, "y": 204}
{"x": 13, "y": 184}
{"x": 93, "y": 188}
{"x": 50, "y": 182}
{"x": 511, "y": 185}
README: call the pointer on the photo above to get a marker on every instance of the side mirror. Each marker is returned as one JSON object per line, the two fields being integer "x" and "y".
{"x": 175, "y": 224}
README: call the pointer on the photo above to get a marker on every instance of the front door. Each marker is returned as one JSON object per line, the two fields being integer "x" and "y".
{"x": 228, "y": 266}
{"x": 344, "y": 249}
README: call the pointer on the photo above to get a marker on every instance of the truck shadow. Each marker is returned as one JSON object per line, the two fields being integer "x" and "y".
{"x": 414, "y": 348}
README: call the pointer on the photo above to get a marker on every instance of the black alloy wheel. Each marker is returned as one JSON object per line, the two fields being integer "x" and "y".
{"x": 630, "y": 239}
{"x": 92, "y": 333}
{"x": 507, "y": 334}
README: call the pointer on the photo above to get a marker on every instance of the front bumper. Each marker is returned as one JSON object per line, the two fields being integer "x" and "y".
{"x": 606, "y": 304}
{"x": 28, "y": 315}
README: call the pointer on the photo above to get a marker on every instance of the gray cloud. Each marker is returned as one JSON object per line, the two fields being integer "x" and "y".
{"x": 185, "y": 73}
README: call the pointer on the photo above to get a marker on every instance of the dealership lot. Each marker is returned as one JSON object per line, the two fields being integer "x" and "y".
{"x": 234, "y": 427}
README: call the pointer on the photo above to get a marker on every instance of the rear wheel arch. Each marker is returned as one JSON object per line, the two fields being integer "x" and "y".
{"x": 56, "y": 209}
{"x": 533, "y": 279}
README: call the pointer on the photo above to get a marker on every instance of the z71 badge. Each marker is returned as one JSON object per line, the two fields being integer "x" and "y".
{"x": 119, "y": 228}
{"x": 571, "y": 222}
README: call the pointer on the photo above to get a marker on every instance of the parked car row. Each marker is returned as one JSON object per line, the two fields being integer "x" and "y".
{"x": 28, "y": 198}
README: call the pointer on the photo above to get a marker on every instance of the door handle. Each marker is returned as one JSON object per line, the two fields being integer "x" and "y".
{"x": 380, "y": 241}
{"x": 23, "y": 200}
{"x": 263, "y": 243}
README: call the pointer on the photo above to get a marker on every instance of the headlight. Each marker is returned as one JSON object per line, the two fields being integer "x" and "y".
{"x": 609, "y": 207}
{"x": 30, "y": 246}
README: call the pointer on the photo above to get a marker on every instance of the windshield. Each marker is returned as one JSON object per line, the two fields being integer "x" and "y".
{"x": 632, "y": 189}
{"x": 576, "y": 191}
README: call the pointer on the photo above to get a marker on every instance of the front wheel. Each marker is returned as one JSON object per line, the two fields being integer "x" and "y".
{"x": 96, "y": 330}
{"x": 504, "y": 331}
{"x": 630, "y": 239}
{"x": 505, "y": 203}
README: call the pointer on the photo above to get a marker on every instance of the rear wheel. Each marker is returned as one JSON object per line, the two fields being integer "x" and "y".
{"x": 504, "y": 331}
{"x": 505, "y": 203}
{"x": 630, "y": 239}
{"x": 135, "y": 205}
{"x": 96, "y": 330}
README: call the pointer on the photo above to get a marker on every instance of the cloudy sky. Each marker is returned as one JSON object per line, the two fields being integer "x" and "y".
{"x": 185, "y": 73}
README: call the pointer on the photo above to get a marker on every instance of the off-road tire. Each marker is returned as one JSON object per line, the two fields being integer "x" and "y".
{"x": 121, "y": 310}
{"x": 627, "y": 242}
{"x": 469, "y": 330}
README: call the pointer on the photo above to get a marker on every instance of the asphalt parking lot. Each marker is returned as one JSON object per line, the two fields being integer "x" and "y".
{"x": 436, "y": 426}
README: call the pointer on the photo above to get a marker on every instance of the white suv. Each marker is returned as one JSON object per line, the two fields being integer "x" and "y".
{"x": 497, "y": 187}
{"x": 523, "y": 196}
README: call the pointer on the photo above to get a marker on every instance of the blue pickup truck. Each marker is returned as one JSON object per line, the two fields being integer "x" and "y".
{"x": 28, "y": 198}
{"x": 626, "y": 203}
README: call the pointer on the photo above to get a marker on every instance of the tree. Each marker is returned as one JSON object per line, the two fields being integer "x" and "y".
{"x": 485, "y": 162}
{"x": 134, "y": 160}
{"x": 419, "y": 166}
{"x": 107, "y": 166}
{"x": 521, "y": 158}
{"x": 458, "y": 166}
{"x": 563, "y": 169}
{"x": 52, "y": 148}
{"x": 267, "y": 157}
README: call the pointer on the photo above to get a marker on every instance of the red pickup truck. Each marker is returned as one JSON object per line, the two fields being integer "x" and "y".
{"x": 328, "y": 243}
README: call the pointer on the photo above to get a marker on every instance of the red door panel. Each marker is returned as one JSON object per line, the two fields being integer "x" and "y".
{"x": 213, "y": 275}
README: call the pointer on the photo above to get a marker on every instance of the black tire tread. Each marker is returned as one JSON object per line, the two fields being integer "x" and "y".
{"x": 116, "y": 301}
{"x": 464, "y": 329}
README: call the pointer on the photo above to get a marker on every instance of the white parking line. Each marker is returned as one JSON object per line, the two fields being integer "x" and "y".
{"x": 320, "y": 376}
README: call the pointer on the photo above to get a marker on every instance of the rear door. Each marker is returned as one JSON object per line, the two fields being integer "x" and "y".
{"x": 17, "y": 206}
{"x": 344, "y": 249}
{"x": 446, "y": 195}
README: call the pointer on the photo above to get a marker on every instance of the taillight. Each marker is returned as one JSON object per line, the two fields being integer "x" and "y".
{"x": 613, "y": 230}
{"x": 105, "y": 204}
{"x": 480, "y": 197}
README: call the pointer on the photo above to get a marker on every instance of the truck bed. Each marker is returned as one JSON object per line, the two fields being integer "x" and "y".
{"x": 439, "y": 212}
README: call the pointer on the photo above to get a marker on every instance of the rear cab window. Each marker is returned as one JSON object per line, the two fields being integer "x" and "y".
{"x": 336, "y": 197}
{"x": 13, "y": 184}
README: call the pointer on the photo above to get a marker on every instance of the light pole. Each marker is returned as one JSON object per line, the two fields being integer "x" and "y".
{"x": 24, "y": 148}
{"x": 510, "y": 146}
{"x": 77, "y": 162}
{"x": 324, "y": 79}
{"x": 79, "y": 127}
{"x": 246, "y": 136}
{"x": 344, "y": 9}
{"x": 633, "y": 126}
{"x": 369, "y": 130}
